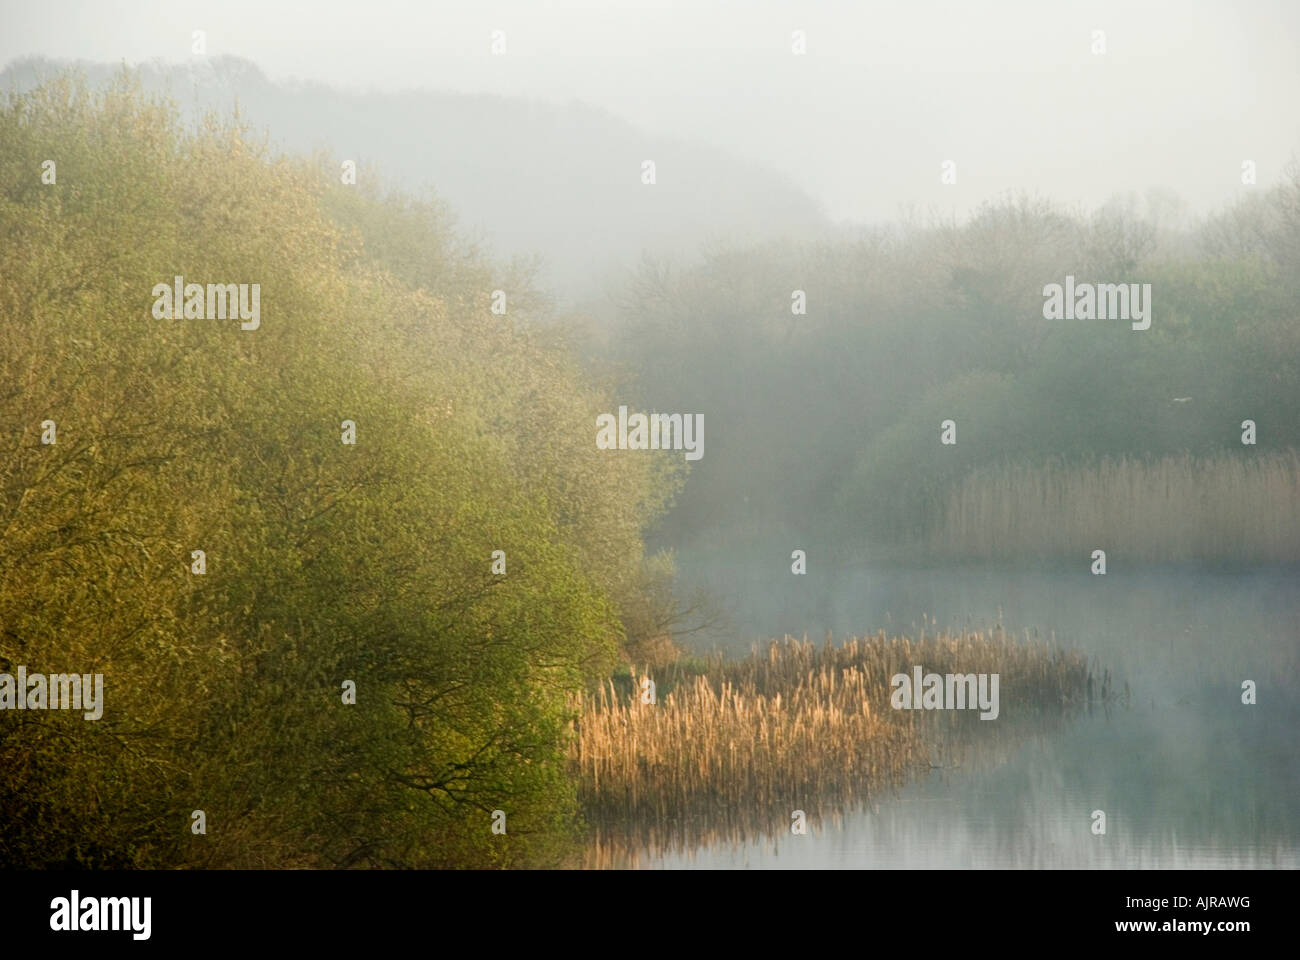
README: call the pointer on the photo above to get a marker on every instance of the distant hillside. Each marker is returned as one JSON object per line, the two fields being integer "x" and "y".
{"x": 562, "y": 182}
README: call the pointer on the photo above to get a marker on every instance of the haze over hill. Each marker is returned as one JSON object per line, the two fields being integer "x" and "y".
{"x": 531, "y": 179}
{"x": 971, "y": 332}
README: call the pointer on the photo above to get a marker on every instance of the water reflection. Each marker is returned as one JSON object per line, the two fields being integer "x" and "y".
{"x": 1188, "y": 776}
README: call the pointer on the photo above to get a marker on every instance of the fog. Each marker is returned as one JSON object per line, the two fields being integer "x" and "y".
{"x": 827, "y": 229}
{"x": 885, "y": 94}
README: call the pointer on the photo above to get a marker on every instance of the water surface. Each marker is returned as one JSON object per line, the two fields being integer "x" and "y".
{"x": 1187, "y": 775}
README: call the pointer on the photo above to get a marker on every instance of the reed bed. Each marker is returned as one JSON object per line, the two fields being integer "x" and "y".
{"x": 730, "y": 752}
{"x": 1243, "y": 508}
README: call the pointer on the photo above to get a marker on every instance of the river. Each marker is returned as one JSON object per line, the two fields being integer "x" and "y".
{"x": 1186, "y": 774}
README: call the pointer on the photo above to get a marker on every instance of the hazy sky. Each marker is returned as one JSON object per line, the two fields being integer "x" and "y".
{"x": 1010, "y": 91}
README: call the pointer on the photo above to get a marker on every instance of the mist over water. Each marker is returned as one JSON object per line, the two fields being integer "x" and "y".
{"x": 1187, "y": 775}
{"x": 826, "y": 232}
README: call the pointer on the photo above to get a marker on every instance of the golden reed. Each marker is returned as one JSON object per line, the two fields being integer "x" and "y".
{"x": 1242, "y": 508}
{"x": 732, "y": 751}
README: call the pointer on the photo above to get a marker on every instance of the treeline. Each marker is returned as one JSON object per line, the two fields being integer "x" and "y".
{"x": 824, "y": 427}
{"x": 325, "y": 562}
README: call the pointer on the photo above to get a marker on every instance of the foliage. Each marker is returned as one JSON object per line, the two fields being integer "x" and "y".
{"x": 326, "y": 562}
{"x": 825, "y": 427}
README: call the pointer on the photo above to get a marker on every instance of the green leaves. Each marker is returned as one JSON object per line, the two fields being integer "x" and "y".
{"x": 326, "y": 561}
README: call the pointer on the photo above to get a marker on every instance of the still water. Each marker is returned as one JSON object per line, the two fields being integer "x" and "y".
{"x": 1186, "y": 774}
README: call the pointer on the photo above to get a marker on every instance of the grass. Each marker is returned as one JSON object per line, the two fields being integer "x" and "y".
{"x": 1243, "y": 508}
{"x": 732, "y": 749}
